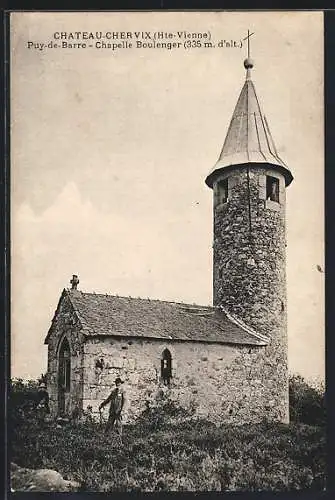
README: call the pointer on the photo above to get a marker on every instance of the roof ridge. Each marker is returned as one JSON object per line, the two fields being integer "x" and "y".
{"x": 136, "y": 298}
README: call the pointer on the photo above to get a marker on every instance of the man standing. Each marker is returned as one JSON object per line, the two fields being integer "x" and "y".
{"x": 117, "y": 400}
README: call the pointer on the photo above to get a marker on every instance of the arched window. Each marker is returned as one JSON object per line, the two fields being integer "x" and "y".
{"x": 166, "y": 366}
{"x": 65, "y": 366}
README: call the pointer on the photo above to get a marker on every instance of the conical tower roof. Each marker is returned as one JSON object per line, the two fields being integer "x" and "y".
{"x": 248, "y": 139}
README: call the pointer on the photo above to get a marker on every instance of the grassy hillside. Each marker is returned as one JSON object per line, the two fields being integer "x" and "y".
{"x": 190, "y": 455}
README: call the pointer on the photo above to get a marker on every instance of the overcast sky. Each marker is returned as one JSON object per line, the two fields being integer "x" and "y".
{"x": 110, "y": 150}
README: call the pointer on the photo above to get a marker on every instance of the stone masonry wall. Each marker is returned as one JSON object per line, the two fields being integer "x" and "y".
{"x": 65, "y": 324}
{"x": 223, "y": 382}
{"x": 249, "y": 268}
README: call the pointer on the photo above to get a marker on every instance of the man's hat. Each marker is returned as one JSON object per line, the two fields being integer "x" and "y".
{"x": 118, "y": 380}
{"x": 42, "y": 385}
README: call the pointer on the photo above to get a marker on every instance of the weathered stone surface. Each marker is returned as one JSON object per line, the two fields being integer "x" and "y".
{"x": 23, "y": 479}
{"x": 249, "y": 271}
{"x": 220, "y": 381}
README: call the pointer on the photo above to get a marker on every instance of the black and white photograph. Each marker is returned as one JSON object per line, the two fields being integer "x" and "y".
{"x": 167, "y": 251}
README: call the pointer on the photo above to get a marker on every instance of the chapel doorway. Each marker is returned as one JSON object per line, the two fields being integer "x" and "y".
{"x": 64, "y": 376}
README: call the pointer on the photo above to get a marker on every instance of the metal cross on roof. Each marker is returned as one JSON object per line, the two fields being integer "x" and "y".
{"x": 248, "y": 38}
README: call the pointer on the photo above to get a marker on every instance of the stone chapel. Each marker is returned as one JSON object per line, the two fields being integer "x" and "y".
{"x": 228, "y": 361}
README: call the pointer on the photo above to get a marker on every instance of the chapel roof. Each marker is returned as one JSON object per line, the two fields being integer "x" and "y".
{"x": 248, "y": 139}
{"x": 110, "y": 315}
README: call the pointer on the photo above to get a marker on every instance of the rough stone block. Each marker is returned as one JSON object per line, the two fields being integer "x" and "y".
{"x": 117, "y": 362}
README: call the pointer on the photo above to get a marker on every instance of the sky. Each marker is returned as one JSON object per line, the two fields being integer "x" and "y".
{"x": 110, "y": 150}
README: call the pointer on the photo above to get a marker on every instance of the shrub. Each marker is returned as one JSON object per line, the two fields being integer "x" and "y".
{"x": 22, "y": 400}
{"x": 161, "y": 410}
{"x": 307, "y": 403}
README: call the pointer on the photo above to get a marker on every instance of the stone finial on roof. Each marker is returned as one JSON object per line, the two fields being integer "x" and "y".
{"x": 74, "y": 282}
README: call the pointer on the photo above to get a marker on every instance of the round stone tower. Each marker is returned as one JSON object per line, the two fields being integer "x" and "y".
{"x": 249, "y": 276}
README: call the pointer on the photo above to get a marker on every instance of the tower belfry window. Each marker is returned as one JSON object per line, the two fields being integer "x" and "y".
{"x": 272, "y": 188}
{"x": 222, "y": 190}
{"x": 166, "y": 367}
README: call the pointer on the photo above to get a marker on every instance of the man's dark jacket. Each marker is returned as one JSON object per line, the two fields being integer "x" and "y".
{"x": 117, "y": 399}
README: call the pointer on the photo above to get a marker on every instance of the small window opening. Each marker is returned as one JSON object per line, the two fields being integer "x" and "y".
{"x": 272, "y": 188}
{"x": 223, "y": 191}
{"x": 166, "y": 367}
{"x": 220, "y": 273}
